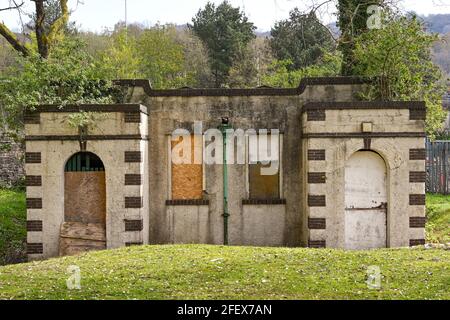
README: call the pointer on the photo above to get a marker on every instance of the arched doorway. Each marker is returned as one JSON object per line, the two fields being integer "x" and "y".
{"x": 84, "y": 226}
{"x": 365, "y": 201}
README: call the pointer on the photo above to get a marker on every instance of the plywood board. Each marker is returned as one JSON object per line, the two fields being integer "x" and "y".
{"x": 76, "y": 237}
{"x": 85, "y": 197}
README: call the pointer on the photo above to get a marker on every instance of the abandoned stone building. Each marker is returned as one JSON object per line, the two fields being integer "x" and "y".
{"x": 351, "y": 174}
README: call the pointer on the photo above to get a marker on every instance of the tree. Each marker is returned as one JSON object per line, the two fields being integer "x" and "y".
{"x": 441, "y": 53}
{"x": 162, "y": 58}
{"x": 195, "y": 59}
{"x": 226, "y": 32}
{"x": 121, "y": 59}
{"x": 301, "y": 39}
{"x": 46, "y": 30}
{"x": 247, "y": 71}
{"x": 68, "y": 76}
{"x": 353, "y": 17}
{"x": 281, "y": 73}
{"x": 401, "y": 54}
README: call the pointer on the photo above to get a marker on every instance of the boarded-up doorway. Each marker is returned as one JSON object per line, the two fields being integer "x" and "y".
{"x": 84, "y": 226}
{"x": 365, "y": 201}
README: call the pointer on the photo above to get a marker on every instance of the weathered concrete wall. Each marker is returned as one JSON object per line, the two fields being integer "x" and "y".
{"x": 11, "y": 162}
{"x": 189, "y": 224}
{"x": 264, "y": 225}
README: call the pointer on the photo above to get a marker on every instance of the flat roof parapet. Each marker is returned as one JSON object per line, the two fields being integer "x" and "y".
{"x": 120, "y": 107}
{"x": 260, "y": 91}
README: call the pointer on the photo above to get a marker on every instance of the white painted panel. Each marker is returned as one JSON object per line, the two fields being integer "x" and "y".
{"x": 365, "y": 180}
{"x": 365, "y": 201}
{"x": 365, "y": 229}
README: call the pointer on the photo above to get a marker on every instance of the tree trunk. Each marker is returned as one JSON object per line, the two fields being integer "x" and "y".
{"x": 352, "y": 21}
{"x": 12, "y": 40}
{"x": 44, "y": 40}
{"x": 40, "y": 32}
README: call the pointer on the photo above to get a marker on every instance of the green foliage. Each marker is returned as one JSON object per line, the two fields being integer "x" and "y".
{"x": 121, "y": 59}
{"x": 438, "y": 218}
{"x": 217, "y": 272}
{"x": 159, "y": 54}
{"x": 352, "y": 21}
{"x": 68, "y": 76}
{"x": 401, "y": 53}
{"x": 13, "y": 216}
{"x": 162, "y": 58}
{"x": 301, "y": 39}
{"x": 281, "y": 75}
{"x": 226, "y": 32}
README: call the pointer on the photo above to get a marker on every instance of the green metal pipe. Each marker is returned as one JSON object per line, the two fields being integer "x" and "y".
{"x": 225, "y": 214}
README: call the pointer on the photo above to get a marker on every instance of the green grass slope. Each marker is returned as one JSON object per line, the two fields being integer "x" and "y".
{"x": 216, "y": 272}
{"x": 438, "y": 216}
{"x": 12, "y": 226}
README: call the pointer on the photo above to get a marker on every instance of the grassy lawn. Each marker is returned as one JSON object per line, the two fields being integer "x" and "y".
{"x": 12, "y": 226}
{"x": 216, "y": 272}
{"x": 438, "y": 214}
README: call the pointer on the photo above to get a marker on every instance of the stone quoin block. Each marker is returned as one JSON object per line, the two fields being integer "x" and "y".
{"x": 34, "y": 226}
{"x": 32, "y": 118}
{"x": 32, "y": 157}
{"x": 317, "y": 223}
{"x": 416, "y": 242}
{"x": 317, "y": 200}
{"x": 131, "y": 244}
{"x": 316, "y": 177}
{"x": 34, "y": 203}
{"x": 132, "y": 117}
{"x": 316, "y": 154}
{"x": 417, "y": 154}
{"x": 133, "y": 202}
{"x": 133, "y": 156}
{"x": 316, "y": 115}
{"x": 417, "y": 114}
{"x": 417, "y": 176}
{"x": 417, "y": 222}
{"x": 263, "y": 201}
{"x": 416, "y": 199}
{"x": 35, "y": 248}
{"x": 317, "y": 243}
{"x": 133, "y": 179}
{"x": 187, "y": 202}
{"x": 133, "y": 225}
{"x": 33, "y": 181}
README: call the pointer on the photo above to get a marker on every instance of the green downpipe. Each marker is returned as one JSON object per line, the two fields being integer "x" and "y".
{"x": 225, "y": 214}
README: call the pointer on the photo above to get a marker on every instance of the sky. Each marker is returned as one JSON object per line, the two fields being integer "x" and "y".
{"x": 99, "y": 15}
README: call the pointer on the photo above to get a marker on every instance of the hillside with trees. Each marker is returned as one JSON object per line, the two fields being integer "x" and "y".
{"x": 52, "y": 61}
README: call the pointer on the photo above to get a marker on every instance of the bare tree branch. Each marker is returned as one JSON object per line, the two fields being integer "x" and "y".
{"x": 44, "y": 39}
{"x": 14, "y": 7}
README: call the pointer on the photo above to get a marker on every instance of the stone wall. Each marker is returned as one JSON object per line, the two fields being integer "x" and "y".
{"x": 11, "y": 162}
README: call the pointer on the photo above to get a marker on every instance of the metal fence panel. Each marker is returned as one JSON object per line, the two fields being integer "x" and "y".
{"x": 438, "y": 166}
